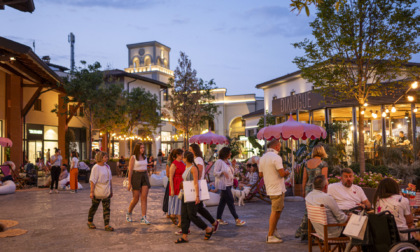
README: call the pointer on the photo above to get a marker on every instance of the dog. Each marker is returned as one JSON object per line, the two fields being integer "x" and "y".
{"x": 241, "y": 195}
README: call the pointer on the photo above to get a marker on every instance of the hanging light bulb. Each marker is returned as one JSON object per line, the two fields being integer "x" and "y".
{"x": 406, "y": 115}
{"x": 383, "y": 114}
{"x": 363, "y": 112}
{"x": 387, "y": 111}
{"x": 410, "y": 98}
{"x": 352, "y": 128}
{"x": 414, "y": 85}
{"x": 365, "y": 104}
{"x": 393, "y": 109}
{"x": 415, "y": 110}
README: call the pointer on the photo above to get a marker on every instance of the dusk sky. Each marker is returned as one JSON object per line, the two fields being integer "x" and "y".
{"x": 237, "y": 43}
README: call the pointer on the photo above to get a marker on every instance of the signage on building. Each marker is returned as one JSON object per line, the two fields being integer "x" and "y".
{"x": 303, "y": 101}
{"x": 35, "y": 132}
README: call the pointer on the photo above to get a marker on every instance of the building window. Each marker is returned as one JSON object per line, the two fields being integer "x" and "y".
{"x": 147, "y": 61}
{"x": 37, "y": 105}
{"x": 81, "y": 111}
{"x": 211, "y": 125}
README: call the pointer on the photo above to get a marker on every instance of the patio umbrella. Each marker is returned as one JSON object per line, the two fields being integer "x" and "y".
{"x": 294, "y": 130}
{"x": 209, "y": 138}
{"x": 5, "y": 142}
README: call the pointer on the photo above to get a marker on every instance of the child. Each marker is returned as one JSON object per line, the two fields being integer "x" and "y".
{"x": 253, "y": 177}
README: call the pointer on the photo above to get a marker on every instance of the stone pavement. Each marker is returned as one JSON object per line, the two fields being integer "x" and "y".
{"x": 57, "y": 222}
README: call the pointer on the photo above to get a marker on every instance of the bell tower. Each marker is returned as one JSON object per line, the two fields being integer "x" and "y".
{"x": 149, "y": 59}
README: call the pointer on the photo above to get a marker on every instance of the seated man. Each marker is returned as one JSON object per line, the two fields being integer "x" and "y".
{"x": 346, "y": 194}
{"x": 121, "y": 166}
{"x": 317, "y": 197}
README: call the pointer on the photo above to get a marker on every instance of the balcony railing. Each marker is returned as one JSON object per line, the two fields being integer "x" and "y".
{"x": 150, "y": 68}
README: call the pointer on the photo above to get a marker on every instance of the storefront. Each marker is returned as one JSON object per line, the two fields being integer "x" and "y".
{"x": 38, "y": 139}
{"x": 385, "y": 123}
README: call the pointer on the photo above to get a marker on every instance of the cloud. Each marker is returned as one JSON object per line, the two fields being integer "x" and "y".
{"x": 109, "y": 3}
{"x": 180, "y": 21}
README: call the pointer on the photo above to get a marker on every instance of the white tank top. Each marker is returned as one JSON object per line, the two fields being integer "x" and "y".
{"x": 140, "y": 165}
{"x": 200, "y": 161}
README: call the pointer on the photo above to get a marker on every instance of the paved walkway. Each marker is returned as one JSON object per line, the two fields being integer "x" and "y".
{"x": 57, "y": 222}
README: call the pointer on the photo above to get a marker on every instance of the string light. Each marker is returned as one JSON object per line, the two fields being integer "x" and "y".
{"x": 415, "y": 110}
{"x": 363, "y": 112}
{"x": 365, "y": 104}
{"x": 387, "y": 111}
{"x": 393, "y": 110}
{"x": 414, "y": 85}
{"x": 383, "y": 114}
{"x": 410, "y": 98}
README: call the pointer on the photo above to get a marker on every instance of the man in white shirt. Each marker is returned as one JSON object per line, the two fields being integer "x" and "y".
{"x": 346, "y": 194}
{"x": 317, "y": 197}
{"x": 271, "y": 169}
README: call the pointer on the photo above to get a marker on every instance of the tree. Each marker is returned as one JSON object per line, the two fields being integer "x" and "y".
{"x": 142, "y": 109}
{"x": 304, "y": 4}
{"x": 101, "y": 97}
{"x": 190, "y": 100}
{"x": 269, "y": 120}
{"x": 357, "y": 48}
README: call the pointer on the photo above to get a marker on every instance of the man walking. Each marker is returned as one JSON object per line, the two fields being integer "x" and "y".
{"x": 271, "y": 169}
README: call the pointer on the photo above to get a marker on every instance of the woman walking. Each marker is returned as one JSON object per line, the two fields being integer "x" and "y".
{"x": 199, "y": 162}
{"x": 223, "y": 173}
{"x": 138, "y": 180}
{"x": 100, "y": 190}
{"x": 56, "y": 161}
{"x": 175, "y": 179}
{"x": 165, "y": 204}
{"x": 311, "y": 168}
{"x": 74, "y": 172}
{"x": 189, "y": 210}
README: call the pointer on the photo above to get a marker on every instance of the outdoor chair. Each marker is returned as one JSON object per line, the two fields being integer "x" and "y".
{"x": 318, "y": 214}
{"x": 258, "y": 190}
{"x": 6, "y": 169}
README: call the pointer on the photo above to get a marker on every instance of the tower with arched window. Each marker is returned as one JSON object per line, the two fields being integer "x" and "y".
{"x": 149, "y": 59}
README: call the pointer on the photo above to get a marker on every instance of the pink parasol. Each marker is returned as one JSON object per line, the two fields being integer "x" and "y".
{"x": 292, "y": 129}
{"x": 209, "y": 138}
{"x": 5, "y": 142}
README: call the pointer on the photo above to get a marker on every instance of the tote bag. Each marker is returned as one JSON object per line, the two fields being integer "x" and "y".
{"x": 102, "y": 190}
{"x": 356, "y": 227}
{"x": 189, "y": 191}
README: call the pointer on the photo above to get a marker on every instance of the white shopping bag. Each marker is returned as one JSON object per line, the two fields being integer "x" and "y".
{"x": 189, "y": 191}
{"x": 356, "y": 227}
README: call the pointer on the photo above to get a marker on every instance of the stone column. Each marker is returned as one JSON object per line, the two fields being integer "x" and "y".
{"x": 14, "y": 106}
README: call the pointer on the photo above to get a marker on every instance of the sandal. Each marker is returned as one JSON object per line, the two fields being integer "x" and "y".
{"x": 109, "y": 228}
{"x": 91, "y": 226}
{"x": 174, "y": 220}
{"x": 208, "y": 235}
{"x": 181, "y": 240}
{"x": 240, "y": 222}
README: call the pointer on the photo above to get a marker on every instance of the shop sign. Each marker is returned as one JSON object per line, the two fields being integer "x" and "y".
{"x": 35, "y": 132}
{"x": 303, "y": 101}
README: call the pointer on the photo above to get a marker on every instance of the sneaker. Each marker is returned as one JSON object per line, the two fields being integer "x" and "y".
{"x": 51, "y": 191}
{"x": 72, "y": 191}
{"x": 180, "y": 232}
{"x": 128, "y": 217}
{"x": 56, "y": 191}
{"x": 222, "y": 222}
{"x": 144, "y": 221}
{"x": 216, "y": 227}
{"x": 273, "y": 239}
{"x": 276, "y": 234}
{"x": 240, "y": 222}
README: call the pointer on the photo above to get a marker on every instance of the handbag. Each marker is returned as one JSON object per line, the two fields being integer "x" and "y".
{"x": 125, "y": 181}
{"x": 356, "y": 227}
{"x": 102, "y": 190}
{"x": 189, "y": 191}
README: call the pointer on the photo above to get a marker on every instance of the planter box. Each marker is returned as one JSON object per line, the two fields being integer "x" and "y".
{"x": 370, "y": 192}
{"x": 113, "y": 166}
{"x": 298, "y": 190}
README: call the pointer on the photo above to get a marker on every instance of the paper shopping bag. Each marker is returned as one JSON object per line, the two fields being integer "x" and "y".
{"x": 189, "y": 191}
{"x": 356, "y": 227}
